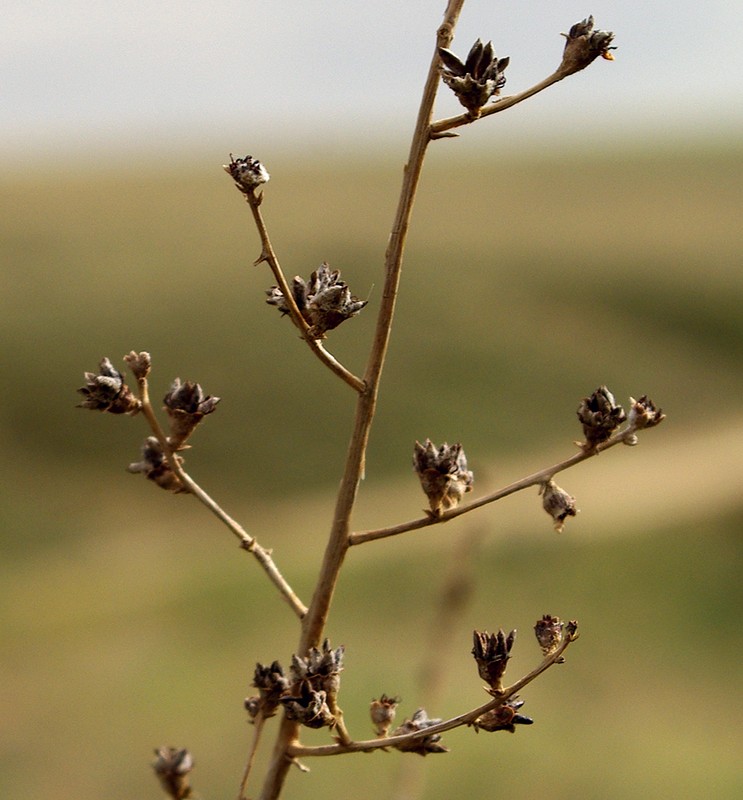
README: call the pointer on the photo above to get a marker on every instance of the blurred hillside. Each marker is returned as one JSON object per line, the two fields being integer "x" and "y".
{"x": 130, "y": 619}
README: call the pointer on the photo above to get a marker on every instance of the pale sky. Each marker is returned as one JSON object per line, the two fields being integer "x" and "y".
{"x": 89, "y": 76}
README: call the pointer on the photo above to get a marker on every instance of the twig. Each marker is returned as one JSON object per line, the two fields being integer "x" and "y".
{"x": 247, "y": 542}
{"x": 258, "y": 729}
{"x": 536, "y": 478}
{"x": 269, "y": 256}
{"x": 301, "y": 751}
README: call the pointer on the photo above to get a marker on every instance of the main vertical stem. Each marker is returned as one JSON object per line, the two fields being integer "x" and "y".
{"x": 313, "y": 623}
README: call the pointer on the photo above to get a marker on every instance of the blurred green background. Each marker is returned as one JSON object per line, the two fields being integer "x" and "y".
{"x": 130, "y": 619}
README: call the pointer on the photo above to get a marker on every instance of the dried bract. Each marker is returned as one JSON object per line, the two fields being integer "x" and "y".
{"x": 600, "y": 416}
{"x": 644, "y": 414}
{"x": 585, "y": 45}
{"x": 557, "y": 503}
{"x": 272, "y": 685}
{"x": 382, "y": 713}
{"x": 172, "y": 767}
{"x": 107, "y": 391}
{"x": 186, "y": 405}
{"x": 324, "y": 302}
{"x": 502, "y": 718}
{"x": 155, "y": 467}
{"x": 139, "y": 364}
{"x": 443, "y": 474}
{"x": 549, "y": 633}
{"x": 248, "y": 173}
{"x": 475, "y": 80}
{"x": 425, "y": 744}
{"x": 309, "y": 708}
{"x": 491, "y": 652}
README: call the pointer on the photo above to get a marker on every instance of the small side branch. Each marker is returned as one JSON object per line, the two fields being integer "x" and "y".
{"x": 535, "y": 479}
{"x": 300, "y": 751}
{"x": 269, "y": 256}
{"x": 247, "y": 542}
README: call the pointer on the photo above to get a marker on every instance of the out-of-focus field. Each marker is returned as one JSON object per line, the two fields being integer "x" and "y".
{"x": 129, "y": 617}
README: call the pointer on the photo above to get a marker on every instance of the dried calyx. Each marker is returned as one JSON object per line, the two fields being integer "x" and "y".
{"x": 325, "y": 301}
{"x": 421, "y": 745}
{"x": 491, "y": 652}
{"x": 382, "y": 713}
{"x": 557, "y": 503}
{"x": 107, "y": 391}
{"x": 584, "y": 45}
{"x": 600, "y": 415}
{"x": 502, "y": 718}
{"x": 476, "y": 79}
{"x": 247, "y": 172}
{"x": 154, "y": 466}
{"x": 186, "y": 405}
{"x": 272, "y": 685}
{"x": 173, "y": 767}
{"x": 443, "y": 474}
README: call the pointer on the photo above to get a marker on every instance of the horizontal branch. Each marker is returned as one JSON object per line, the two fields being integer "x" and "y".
{"x": 440, "y": 127}
{"x": 247, "y": 542}
{"x": 365, "y": 746}
{"x": 360, "y": 537}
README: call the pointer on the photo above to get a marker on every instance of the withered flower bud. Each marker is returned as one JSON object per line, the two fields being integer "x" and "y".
{"x": 324, "y": 302}
{"x": 172, "y": 767}
{"x": 549, "y": 633}
{"x": 186, "y": 406}
{"x": 248, "y": 173}
{"x": 585, "y": 45}
{"x": 491, "y": 652}
{"x": 502, "y": 718}
{"x": 272, "y": 684}
{"x": 309, "y": 708}
{"x": 443, "y": 474}
{"x": 155, "y": 467}
{"x": 139, "y": 364}
{"x": 382, "y": 713}
{"x": 557, "y": 503}
{"x": 477, "y": 79}
{"x": 106, "y": 391}
{"x": 600, "y": 416}
{"x": 423, "y": 745}
{"x": 644, "y": 414}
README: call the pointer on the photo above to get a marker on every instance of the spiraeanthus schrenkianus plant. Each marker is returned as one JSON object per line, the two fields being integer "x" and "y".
{"x": 307, "y": 694}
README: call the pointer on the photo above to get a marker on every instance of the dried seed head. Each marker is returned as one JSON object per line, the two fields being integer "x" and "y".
{"x": 475, "y": 80}
{"x": 155, "y": 467}
{"x": 382, "y": 713}
{"x": 248, "y": 173}
{"x": 309, "y": 708}
{"x": 186, "y": 406}
{"x": 644, "y": 414}
{"x": 549, "y": 633}
{"x": 324, "y": 302}
{"x": 272, "y": 685}
{"x": 600, "y": 416}
{"x": 491, "y": 652}
{"x": 443, "y": 474}
{"x": 584, "y": 45}
{"x": 557, "y": 503}
{"x": 320, "y": 669}
{"x": 172, "y": 767}
{"x": 139, "y": 364}
{"x": 502, "y": 718}
{"x": 423, "y": 745}
{"x": 107, "y": 391}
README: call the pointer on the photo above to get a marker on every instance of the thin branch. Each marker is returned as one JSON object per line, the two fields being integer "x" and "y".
{"x": 247, "y": 542}
{"x": 535, "y": 479}
{"x": 269, "y": 256}
{"x": 258, "y": 729}
{"x": 439, "y": 128}
{"x": 301, "y": 751}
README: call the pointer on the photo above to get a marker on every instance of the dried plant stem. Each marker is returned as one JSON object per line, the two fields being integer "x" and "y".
{"x": 535, "y": 479}
{"x": 300, "y": 751}
{"x": 247, "y": 542}
{"x": 313, "y": 624}
{"x": 257, "y": 731}
{"x": 269, "y": 256}
{"x": 440, "y": 127}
